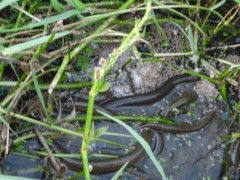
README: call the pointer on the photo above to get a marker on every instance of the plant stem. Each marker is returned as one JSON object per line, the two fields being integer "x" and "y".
{"x": 75, "y": 85}
{"x": 99, "y": 81}
{"x": 37, "y": 122}
{"x": 86, "y": 139}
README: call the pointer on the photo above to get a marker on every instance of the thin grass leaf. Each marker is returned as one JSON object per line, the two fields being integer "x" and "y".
{"x": 160, "y": 30}
{"x": 223, "y": 90}
{"x": 119, "y": 172}
{"x": 224, "y": 74}
{"x": 39, "y": 92}
{"x": 40, "y": 123}
{"x": 30, "y": 44}
{"x": 43, "y": 22}
{"x": 100, "y": 131}
{"x": 193, "y": 44}
{"x": 237, "y": 1}
{"x": 78, "y": 4}
{"x": 58, "y": 6}
{"x": 217, "y": 5}
{"x": 40, "y": 50}
{"x": 8, "y": 177}
{"x": 144, "y": 144}
{"x": 6, "y": 124}
{"x": 26, "y": 13}
{"x": 6, "y": 3}
{"x": 201, "y": 76}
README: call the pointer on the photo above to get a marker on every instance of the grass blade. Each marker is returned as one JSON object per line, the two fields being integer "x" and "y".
{"x": 44, "y": 22}
{"x": 39, "y": 93}
{"x": 218, "y": 5}
{"x": 119, "y": 172}
{"x": 141, "y": 141}
{"x": 26, "y": 45}
{"x": 8, "y": 177}
{"x": 6, "y": 3}
{"x": 58, "y": 6}
{"x": 6, "y": 124}
{"x": 77, "y": 4}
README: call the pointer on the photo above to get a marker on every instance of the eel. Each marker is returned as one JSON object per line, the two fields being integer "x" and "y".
{"x": 187, "y": 97}
{"x": 182, "y": 129}
{"x": 111, "y": 164}
{"x": 150, "y": 97}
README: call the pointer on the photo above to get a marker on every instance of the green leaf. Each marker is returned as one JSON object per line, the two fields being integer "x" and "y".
{"x": 83, "y": 62}
{"x": 33, "y": 43}
{"x": 223, "y": 90}
{"x": 237, "y": 106}
{"x": 235, "y": 137}
{"x": 43, "y": 22}
{"x": 8, "y": 177}
{"x": 218, "y": 5}
{"x": 100, "y": 131}
{"x": 77, "y": 4}
{"x": 6, "y": 3}
{"x": 58, "y": 6}
{"x": 144, "y": 144}
{"x": 39, "y": 92}
{"x": 237, "y": 1}
{"x": 224, "y": 74}
{"x": 119, "y": 172}
{"x": 6, "y": 124}
{"x": 104, "y": 87}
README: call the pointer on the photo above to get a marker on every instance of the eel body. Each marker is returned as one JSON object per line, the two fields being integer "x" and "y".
{"x": 150, "y": 97}
{"x": 186, "y": 98}
{"x": 111, "y": 164}
{"x": 182, "y": 129}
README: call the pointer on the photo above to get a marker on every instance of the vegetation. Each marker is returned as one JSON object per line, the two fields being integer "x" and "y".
{"x": 42, "y": 40}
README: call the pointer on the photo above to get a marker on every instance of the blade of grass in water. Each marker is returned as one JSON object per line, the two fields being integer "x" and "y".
{"x": 119, "y": 172}
{"x": 141, "y": 141}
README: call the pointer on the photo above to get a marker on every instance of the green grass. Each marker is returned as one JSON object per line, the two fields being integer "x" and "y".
{"x": 30, "y": 28}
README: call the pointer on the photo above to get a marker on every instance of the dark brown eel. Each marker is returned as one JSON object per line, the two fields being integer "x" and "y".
{"x": 185, "y": 98}
{"x": 182, "y": 129}
{"x": 111, "y": 164}
{"x": 150, "y": 97}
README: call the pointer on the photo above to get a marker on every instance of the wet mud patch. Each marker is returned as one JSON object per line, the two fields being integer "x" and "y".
{"x": 197, "y": 154}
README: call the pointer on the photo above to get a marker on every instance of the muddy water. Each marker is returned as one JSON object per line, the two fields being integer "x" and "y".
{"x": 191, "y": 155}
{"x": 195, "y": 155}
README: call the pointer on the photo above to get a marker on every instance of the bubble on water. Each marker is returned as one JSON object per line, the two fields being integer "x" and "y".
{"x": 176, "y": 167}
{"x": 167, "y": 137}
{"x": 209, "y": 146}
{"x": 90, "y": 167}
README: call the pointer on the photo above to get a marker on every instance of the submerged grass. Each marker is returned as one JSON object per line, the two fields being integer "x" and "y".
{"x": 144, "y": 144}
{"x": 40, "y": 41}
